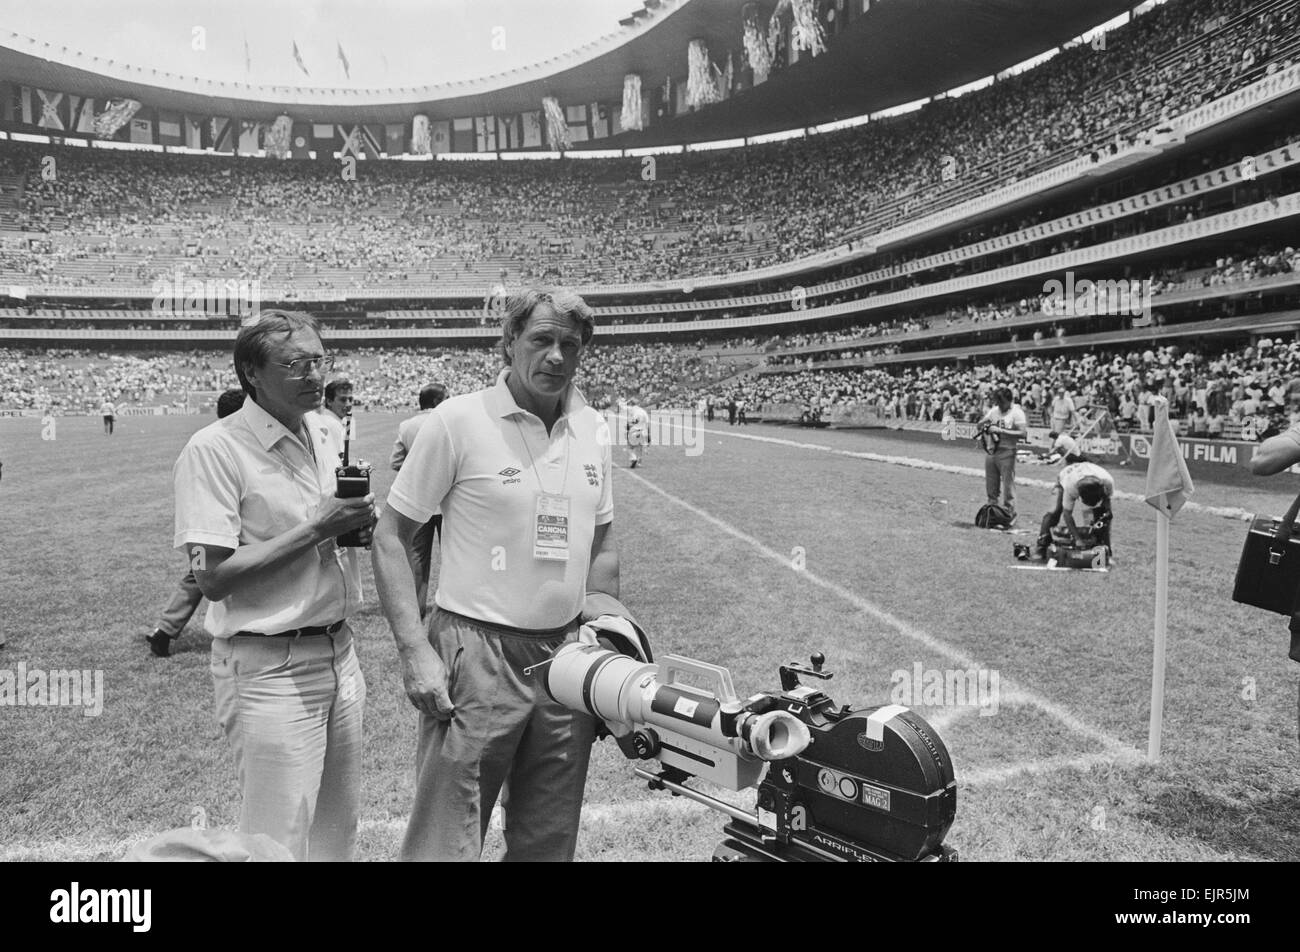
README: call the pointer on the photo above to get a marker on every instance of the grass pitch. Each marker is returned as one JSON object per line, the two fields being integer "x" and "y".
{"x": 769, "y": 545}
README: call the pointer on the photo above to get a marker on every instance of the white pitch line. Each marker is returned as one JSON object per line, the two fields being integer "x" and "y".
{"x": 961, "y": 659}
{"x": 1047, "y": 765}
{"x": 1227, "y": 512}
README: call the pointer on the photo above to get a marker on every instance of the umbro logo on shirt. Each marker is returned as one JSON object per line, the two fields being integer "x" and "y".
{"x": 511, "y": 476}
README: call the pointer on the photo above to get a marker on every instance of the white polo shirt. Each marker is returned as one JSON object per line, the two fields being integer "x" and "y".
{"x": 247, "y": 479}
{"x": 1070, "y": 477}
{"x": 483, "y": 461}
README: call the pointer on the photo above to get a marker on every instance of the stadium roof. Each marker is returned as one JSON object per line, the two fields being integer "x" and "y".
{"x": 899, "y": 52}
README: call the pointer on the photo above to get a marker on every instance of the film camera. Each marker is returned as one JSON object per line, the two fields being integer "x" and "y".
{"x": 351, "y": 482}
{"x": 834, "y": 784}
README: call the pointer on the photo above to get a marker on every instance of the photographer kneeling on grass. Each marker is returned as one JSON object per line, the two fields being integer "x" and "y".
{"x": 1079, "y": 482}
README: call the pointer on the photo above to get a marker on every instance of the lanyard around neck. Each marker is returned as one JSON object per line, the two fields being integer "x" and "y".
{"x": 568, "y": 445}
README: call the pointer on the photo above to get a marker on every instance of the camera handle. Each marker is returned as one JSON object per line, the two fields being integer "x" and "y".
{"x": 718, "y": 677}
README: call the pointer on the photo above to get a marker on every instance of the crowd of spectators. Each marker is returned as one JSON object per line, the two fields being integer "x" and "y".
{"x": 1251, "y": 388}
{"x": 126, "y": 218}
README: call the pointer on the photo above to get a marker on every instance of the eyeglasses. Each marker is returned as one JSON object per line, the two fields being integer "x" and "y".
{"x": 305, "y": 365}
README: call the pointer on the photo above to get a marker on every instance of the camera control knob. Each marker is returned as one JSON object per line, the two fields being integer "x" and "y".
{"x": 646, "y": 743}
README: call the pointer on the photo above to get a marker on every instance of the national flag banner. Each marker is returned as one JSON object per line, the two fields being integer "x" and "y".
{"x": 1168, "y": 481}
{"x": 194, "y": 132}
{"x": 81, "y": 113}
{"x": 169, "y": 128}
{"x": 462, "y": 134}
{"x": 325, "y": 140}
{"x": 343, "y": 58}
{"x": 599, "y": 120}
{"x": 300, "y": 140}
{"x": 509, "y": 132}
{"x": 223, "y": 134}
{"x": 532, "y": 129}
{"x": 360, "y": 141}
{"x": 49, "y": 103}
{"x": 250, "y": 138}
{"x": 18, "y": 291}
{"x": 297, "y": 58}
{"x": 485, "y": 133}
{"x": 576, "y": 117}
{"x": 141, "y": 130}
{"x": 395, "y": 138}
{"x": 439, "y": 137}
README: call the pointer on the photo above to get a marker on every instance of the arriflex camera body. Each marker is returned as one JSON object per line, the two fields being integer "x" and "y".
{"x": 833, "y": 783}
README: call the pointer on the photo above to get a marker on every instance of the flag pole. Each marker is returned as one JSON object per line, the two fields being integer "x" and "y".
{"x": 1162, "y": 624}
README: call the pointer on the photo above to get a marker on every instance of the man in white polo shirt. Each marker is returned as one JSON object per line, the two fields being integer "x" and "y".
{"x": 522, "y": 475}
{"x": 256, "y": 512}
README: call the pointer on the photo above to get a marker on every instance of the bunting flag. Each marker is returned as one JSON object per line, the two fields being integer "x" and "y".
{"x": 343, "y": 58}
{"x": 300, "y": 140}
{"x": 532, "y": 129}
{"x": 394, "y": 136}
{"x": 277, "y": 141}
{"x": 81, "y": 115}
{"x": 50, "y": 118}
{"x": 142, "y": 131}
{"x": 222, "y": 134}
{"x": 117, "y": 115}
{"x": 701, "y": 87}
{"x": 632, "y": 115}
{"x": 297, "y": 58}
{"x": 420, "y": 144}
{"x": 250, "y": 135}
{"x": 440, "y": 137}
{"x": 485, "y": 133}
{"x": 359, "y": 141}
{"x": 557, "y": 129}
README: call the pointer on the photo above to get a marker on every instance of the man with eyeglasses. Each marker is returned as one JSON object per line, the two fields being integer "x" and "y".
{"x": 521, "y": 473}
{"x": 257, "y": 515}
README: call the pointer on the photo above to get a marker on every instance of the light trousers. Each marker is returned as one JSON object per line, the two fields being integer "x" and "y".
{"x": 292, "y": 709}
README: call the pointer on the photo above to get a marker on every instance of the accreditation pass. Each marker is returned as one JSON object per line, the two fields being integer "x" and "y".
{"x": 551, "y": 528}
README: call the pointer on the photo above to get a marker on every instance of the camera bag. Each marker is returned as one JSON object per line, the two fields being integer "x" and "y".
{"x": 1268, "y": 575}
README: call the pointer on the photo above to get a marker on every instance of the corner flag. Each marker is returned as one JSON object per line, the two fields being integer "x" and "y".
{"x": 1168, "y": 481}
{"x": 1168, "y": 486}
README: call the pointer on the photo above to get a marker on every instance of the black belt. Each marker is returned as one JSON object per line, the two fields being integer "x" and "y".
{"x": 308, "y": 632}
